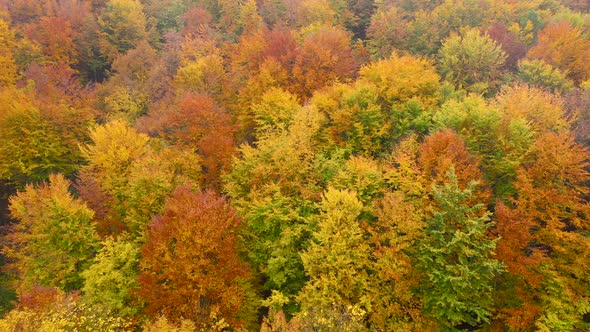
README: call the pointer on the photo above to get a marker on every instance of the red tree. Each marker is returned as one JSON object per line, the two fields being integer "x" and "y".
{"x": 190, "y": 266}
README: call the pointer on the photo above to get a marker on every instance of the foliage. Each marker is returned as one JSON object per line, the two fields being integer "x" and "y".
{"x": 325, "y": 57}
{"x": 134, "y": 174}
{"x": 198, "y": 123}
{"x": 54, "y": 238}
{"x": 189, "y": 266}
{"x": 471, "y": 61}
{"x": 67, "y": 314}
{"x": 321, "y": 132}
{"x": 7, "y": 61}
{"x": 30, "y": 147}
{"x": 455, "y": 257}
{"x": 540, "y": 74}
{"x": 111, "y": 279}
{"x": 563, "y": 46}
{"x": 123, "y": 26}
{"x": 337, "y": 257}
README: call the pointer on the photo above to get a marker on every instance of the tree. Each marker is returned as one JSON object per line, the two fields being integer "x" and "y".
{"x": 54, "y": 239}
{"x": 190, "y": 267}
{"x": 443, "y": 151}
{"x": 357, "y": 120}
{"x": 563, "y": 46}
{"x": 324, "y": 58}
{"x": 455, "y": 257}
{"x": 551, "y": 200}
{"x": 133, "y": 175}
{"x": 337, "y": 258}
{"x": 471, "y": 61}
{"x": 387, "y": 32}
{"x": 198, "y": 123}
{"x": 517, "y": 294}
{"x": 539, "y": 74}
{"x": 403, "y": 78}
{"x": 274, "y": 186}
{"x": 204, "y": 76}
{"x": 30, "y": 147}
{"x": 544, "y": 111}
{"x": 123, "y": 26}
{"x": 56, "y": 38}
{"x": 509, "y": 42}
{"x": 275, "y": 110}
{"x": 138, "y": 80}
{"x": 112, "y": 278}
{"x": 499, "y": 139}
{"x": 8, "y": 66}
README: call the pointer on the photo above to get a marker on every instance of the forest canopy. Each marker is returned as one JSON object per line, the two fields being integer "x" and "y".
{"x": 294, "y": 165}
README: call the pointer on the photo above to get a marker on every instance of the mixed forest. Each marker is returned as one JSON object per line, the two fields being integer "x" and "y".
{"x": 294, "y": 165}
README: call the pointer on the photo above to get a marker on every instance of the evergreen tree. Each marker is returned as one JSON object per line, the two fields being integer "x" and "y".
{"x": 455, "y": 258}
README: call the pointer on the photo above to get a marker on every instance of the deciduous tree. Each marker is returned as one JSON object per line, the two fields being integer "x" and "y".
{"x": 54, "y": 238}
{"x": 471, "y": 61}
{"x": 190, "y": 267}
{"x": 563, "y": 46}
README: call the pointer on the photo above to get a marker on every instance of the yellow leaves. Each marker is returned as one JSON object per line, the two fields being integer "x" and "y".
{"x": 275, "y": 110}
{"x": 162, "y": 324}
{"x": 341, "y": 205}
{"x": 8, "y": 68}
{"x": 543, "y": 110}
{"x": 114, "y": 147}
{"x": 204, "y": 75}
{"x": 401, "y": 78}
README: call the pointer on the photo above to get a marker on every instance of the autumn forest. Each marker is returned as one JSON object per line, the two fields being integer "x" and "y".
{"x": 294, "y": 165}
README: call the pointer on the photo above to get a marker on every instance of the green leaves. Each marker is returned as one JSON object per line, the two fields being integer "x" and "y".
{"x": 455, "y": 257}
{"x": 54, "y": 238}
{"x": 471, "y": 61}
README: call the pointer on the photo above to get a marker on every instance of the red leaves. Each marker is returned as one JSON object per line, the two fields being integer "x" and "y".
{"x": 190, "y": 263}
{"x": 324, "y": 58}
{"x": 198, "y": 122}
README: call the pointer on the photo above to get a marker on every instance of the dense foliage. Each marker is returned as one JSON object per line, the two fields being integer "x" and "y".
{"x": 295, "y": 165}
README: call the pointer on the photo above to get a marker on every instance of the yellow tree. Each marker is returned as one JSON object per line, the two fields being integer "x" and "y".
{"x": 8, "y": 67}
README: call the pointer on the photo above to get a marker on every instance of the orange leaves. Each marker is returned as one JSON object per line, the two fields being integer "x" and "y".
{"x": 324, "y": 58}
{"x": 198, "y": 123}
{"x": 56, "y": 38}
{"x": 564, "y": 46}
{"x": 190, "y": 264}
{"x": 445, "y": 150}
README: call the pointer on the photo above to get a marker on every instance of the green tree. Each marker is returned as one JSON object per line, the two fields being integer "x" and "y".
{"x": 455, "y": 258}
{"x": 54, "y": 238}
{"x": 471, "y": 61}
{"x": 540, "y": 74}
{"x": 112, "y": 277}
{"x": 123, "y": 26}
{"x": 274, "y": 186}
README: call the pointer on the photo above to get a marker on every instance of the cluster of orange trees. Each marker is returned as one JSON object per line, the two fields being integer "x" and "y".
{"x": 294, "y": 165}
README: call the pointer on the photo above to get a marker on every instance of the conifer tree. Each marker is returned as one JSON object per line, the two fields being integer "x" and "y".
{"x": 455, "y": 257}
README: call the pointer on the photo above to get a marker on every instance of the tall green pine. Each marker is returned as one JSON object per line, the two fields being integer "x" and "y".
{"x": 455, "y": 259}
